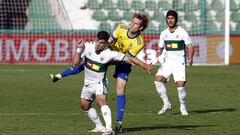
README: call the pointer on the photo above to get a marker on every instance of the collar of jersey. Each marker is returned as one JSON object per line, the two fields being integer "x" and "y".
{"x": 132, "y": 37}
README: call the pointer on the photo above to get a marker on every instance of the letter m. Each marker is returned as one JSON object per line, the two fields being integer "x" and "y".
{"x": 16, "y": 54}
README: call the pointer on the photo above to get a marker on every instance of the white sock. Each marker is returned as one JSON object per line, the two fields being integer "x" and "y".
{"x": 161, "y": 90}
{"x": 92, "y": 114}
{"x": 182, "y": 96}
{"x": 107, "y": 116}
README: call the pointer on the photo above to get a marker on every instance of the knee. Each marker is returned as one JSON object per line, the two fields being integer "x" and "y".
{"x": 181, "y": 84}
{"x": 121, "y": 88}
{"x": 120, "y": 91}
{"x": 84, "y": 106}
{"x": 159, "y": 78}
{"x": 100, "y": 104}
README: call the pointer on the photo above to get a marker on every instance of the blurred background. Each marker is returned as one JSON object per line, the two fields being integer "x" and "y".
{"x": 45, "y": 31}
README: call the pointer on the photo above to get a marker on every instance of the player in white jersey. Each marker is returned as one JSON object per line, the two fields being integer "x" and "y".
{"x": 174, "y": 40}
{"x": 97, "y": 56}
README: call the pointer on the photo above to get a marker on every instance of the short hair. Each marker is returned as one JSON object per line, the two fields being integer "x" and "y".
{"x": 103, "y": 35}
{"x": 143, "y": 18}
{"x": 172, "y": 13}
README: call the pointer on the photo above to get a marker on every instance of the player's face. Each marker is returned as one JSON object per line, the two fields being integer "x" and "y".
{"x": 100, "y": 44}
{"x": 171, "y": 21}
{"x": 135, "y": 25}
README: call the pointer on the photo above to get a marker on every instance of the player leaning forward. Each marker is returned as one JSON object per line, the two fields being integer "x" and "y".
{"x": 97, "y": 55}
{"x": 174, "y": 40}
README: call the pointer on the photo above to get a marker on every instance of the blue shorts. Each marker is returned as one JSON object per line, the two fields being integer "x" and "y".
{"x": 122, "y": 70}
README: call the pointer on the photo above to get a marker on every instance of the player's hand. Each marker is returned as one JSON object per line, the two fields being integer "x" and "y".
{"x": 80, "y": 43}
{"x": 158, "y": 53}
{"x": 190, "y": 62}
{"x": 149, "y": 67}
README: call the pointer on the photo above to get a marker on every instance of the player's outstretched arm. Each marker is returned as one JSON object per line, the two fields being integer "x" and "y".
{"x": 130, "y": 59}
{"x": 77, "y": 56}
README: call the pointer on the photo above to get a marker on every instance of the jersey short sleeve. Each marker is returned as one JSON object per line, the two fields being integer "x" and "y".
{"x": 186, "y": 38}
{"x": 161, "y": 41}
{"x": 86, "y": 47}
{"x": 116, "y": 56}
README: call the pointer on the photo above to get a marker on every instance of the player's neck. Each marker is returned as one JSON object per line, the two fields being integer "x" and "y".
{"x": 132, "y": 35}
{"x": 173, "y": 29}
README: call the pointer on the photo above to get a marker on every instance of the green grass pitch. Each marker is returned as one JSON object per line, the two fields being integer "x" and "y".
{"x": 30, "y": 104}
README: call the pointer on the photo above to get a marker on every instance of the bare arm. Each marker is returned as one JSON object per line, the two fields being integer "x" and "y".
{"x": 130, "y": 59}
{"x": 110, "y": 40}
{"x": 76, "y": 59}
{"x": 77, "y": 56}
{"x": 190, "y": 55}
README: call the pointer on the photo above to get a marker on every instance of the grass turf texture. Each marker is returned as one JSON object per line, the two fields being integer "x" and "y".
{"x": 30, "y": 104}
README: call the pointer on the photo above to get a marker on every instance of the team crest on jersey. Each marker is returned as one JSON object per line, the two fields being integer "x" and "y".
{"x": 177, "y": 36}
{"x": 89, "y": 53}
{"x": 130, "y": 44}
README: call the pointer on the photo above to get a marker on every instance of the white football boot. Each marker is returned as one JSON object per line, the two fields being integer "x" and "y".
{"x": 98, "y": 130}
{"x": 183, "y": 110}
{"x": 166, "y": 107}
{"x": 108, "y": 132}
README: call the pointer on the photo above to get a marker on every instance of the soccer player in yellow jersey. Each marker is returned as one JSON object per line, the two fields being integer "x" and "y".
{"x": 126, "y": 39}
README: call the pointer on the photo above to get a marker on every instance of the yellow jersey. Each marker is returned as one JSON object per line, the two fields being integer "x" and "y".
{"x": 126, "y": 44}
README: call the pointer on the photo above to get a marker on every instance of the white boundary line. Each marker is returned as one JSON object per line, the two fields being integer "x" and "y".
{"x": 62, "y": 114}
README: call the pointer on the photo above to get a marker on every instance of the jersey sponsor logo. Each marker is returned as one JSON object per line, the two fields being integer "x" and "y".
{"x": 169, "y": 45}
{"x": 172, "y": 45}
{"x": 96, "y": 67}
{"x": 93, "y": 66}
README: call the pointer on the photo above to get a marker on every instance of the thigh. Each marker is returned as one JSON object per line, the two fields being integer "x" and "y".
{"x": 165, "y": 70}
{"x": 87, "y": 93}
{"x": 101, "y": 100}
{"x": 122, "y": 70}
{"x": 101, "y": 88}
{"x": 179, "y": 72}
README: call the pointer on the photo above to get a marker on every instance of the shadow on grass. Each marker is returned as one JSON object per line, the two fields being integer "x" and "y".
{"x": 214, "y": 110}
{"x": 183, "y": 127}
{"x": 209, "y": 111}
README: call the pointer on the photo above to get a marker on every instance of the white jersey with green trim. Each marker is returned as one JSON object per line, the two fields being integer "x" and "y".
{"x": 175, "y": 43}
{"x": 96, "y": 64}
